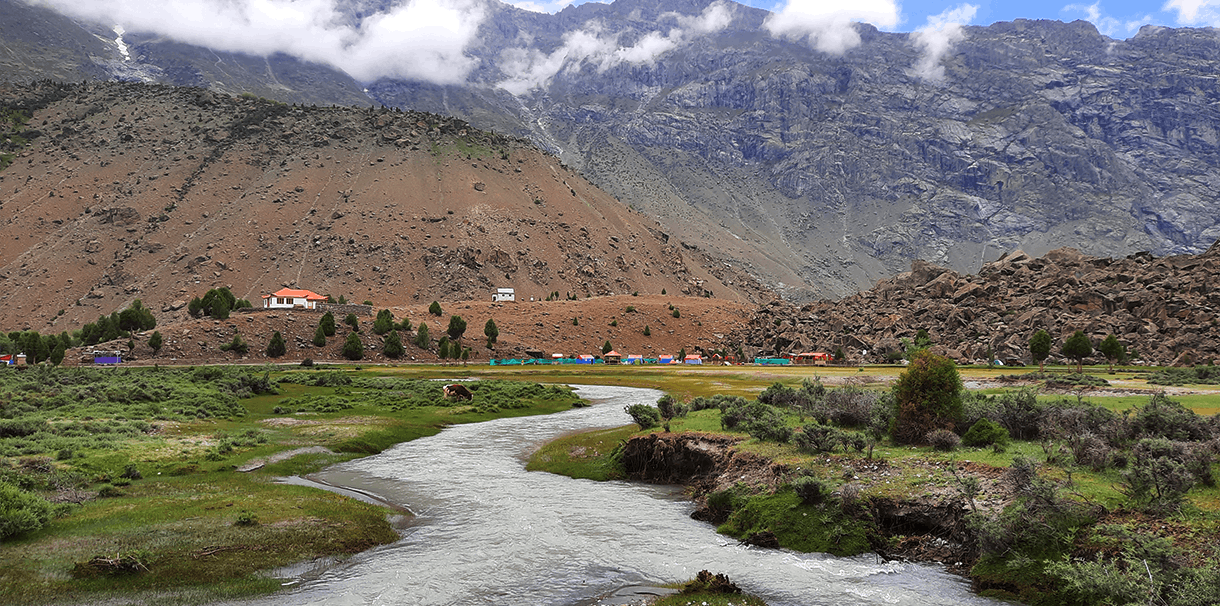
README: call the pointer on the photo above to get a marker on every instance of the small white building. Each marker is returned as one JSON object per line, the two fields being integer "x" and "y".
{"x": 290, "y": 298}
{"x": 504, "y": 294}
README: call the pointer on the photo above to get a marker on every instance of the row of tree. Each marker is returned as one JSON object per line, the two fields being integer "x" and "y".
{"x": 1077, "y": 347}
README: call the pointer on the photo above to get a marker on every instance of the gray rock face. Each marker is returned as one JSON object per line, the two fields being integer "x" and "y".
{"x": 825, "y": 173}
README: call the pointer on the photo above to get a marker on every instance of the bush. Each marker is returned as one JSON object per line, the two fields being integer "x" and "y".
{"x": 985, "y": 432}
{"x": 671, "y": 407}
{"x": 245, "y": 518}
{"x": 770, "y": 425}
{"x": 928, "y": 395}
{"x": 736, "y": 411}
{"x": 811, "y": 490}
{"x": 107, "y": 491}
{"x": 943, "y": 440}
{"x": 393, "y": 346}
{"x": 276, "y": 347}
{"x": 644, "y": 415}
{"x": 21, "y": 512}
{"x": 353, "y": 349}
{"x": 237, "y": 345}
{"x": 435, "y": 309}
{"x": 1162, "y": 471}
{"x": 849, "y": 406}
{"x": 1165, "y": 418}
{"x": 817, "y": 438}
{"x": 327, "y": 324}
{"x": 307, "y": 362}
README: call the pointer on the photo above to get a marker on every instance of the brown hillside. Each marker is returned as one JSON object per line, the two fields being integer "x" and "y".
{"x": 703, "y": 326}
{"x": 1165, "y": 309}
{"x": 128, "y": 191}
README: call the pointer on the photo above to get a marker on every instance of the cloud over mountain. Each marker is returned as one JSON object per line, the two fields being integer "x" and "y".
{"x": 828, "y": 25}
{"x": 416, "y": 39}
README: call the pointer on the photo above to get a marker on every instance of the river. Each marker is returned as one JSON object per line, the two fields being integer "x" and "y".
{"x": 488, "y": 532}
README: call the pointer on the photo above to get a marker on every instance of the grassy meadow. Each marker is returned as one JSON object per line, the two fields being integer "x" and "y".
{"x": 160, "y": 482}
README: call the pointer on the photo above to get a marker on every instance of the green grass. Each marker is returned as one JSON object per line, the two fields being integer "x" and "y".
{"x": 586, "y": 455}
{"x": 181, "y": 519}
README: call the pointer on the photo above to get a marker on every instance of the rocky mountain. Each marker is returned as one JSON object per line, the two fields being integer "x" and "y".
{"x": 818, "y": 172}
{"x": 115, "y": 192}
{"x": 1165, "y": 310}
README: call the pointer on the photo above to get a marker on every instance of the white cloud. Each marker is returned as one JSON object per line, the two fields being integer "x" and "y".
{"x": 530, "y": 68}
{"x": 937, "y": 39}
{"x": 828, "y": 24}
{"x": 418, "y": 39}
{"x": 1195, "y": 12}
{"x": 1106, "y": 24}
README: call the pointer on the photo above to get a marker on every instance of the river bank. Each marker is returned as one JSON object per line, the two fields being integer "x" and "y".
{"x": 1032, "y": 520}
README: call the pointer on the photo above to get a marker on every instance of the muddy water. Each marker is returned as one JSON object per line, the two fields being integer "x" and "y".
{"x": 488, "y": 532}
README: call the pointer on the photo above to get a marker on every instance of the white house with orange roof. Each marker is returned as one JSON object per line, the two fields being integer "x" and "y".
{"x": 291, "y": 298}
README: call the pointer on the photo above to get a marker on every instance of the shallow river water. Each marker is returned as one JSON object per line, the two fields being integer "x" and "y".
{"x": 488, "y": 532}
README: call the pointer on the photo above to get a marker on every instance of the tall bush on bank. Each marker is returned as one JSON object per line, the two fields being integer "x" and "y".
{"x": 928, "y": 395}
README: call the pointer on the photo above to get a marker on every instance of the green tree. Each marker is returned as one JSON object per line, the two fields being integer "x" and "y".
{"x": 393, "y": 345}
{"x": 1078, "y": 347}
{"x": 1113, "y": 350}
{"x": 405, "y": 325}
{"x": 156, "y": 341}
{"x": 465, "y": 354}
{"x": 442, "y": 347}
{"x": 352, "y": 321}
{"x": 435, "y": 309}
{"x": 457, "y": 327}
{"x": 327, "y": 324}
{"x": 1040, "y": 348}
{"x": 319, "y": 337}
{"x": 492, "y": 332}
{"x": 276, "y": 347}
{"x": 136, "y": 318}
{"x": 421, "y": 336}
{"x": 922, "y": 341}
{"x": 676, "y": 313}
{"x": 839, "y": 355}
{"x": 58, "y": 353}
{"x": 647, "y": 331}
{"x": 384, "y": 322}
{"x": 219, "y": 309}
{"x": 353, "y": 349}
{"x": 606, "y": 348}
{"x": 928, "y": 395}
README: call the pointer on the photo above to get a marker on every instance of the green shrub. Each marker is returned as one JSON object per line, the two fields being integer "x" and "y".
{"x": 107, "y": 491}
{"x": 245, "y": 518}
{"x": 353, "y": 349}
{"x": 928, "y": 396}
{"x": 21, "y": 512}
{"x": 770, "y": 425}
{"x": 276, "y": 347}
{"x": 811, "y": 490}
{"x": 985, "y": 432}
{"x": 943, "y": 440}
{"x": 644, "y": 415}
{"x": 237, "y": 345}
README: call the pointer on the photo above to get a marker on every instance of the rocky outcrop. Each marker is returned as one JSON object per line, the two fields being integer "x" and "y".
{"x": 1164, "y": 309}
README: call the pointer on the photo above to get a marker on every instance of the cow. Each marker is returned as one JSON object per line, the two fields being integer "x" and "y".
{"x": 457, "y": 391}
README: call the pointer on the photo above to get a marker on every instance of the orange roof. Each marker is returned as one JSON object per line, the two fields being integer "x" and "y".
{"x": 613, "y": 353}
{"x": 296, "y": 294}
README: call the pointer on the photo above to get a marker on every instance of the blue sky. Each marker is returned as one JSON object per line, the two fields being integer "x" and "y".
{"x": 1115, "y": 18}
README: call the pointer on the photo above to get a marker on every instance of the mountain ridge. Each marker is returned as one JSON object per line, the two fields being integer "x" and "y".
{"x": 817, "y": 173}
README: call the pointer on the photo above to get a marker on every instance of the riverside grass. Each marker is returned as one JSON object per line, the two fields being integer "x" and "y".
{"x": 189, "y": 488}
{"x": 165, "y": 452}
